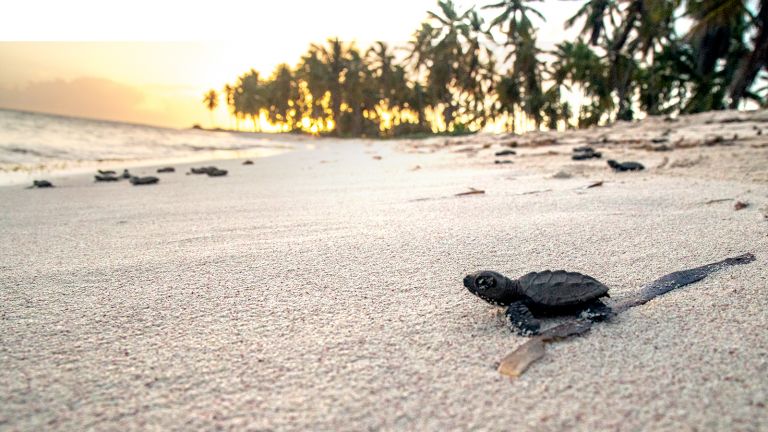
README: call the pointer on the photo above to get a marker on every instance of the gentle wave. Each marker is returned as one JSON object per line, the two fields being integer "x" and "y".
{"x": 43, "y": 142}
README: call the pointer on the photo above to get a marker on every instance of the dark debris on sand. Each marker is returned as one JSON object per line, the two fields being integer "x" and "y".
{"x": 472, "y": 191}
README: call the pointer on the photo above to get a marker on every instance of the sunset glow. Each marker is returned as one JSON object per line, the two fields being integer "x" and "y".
{"x": 163, "y": 82}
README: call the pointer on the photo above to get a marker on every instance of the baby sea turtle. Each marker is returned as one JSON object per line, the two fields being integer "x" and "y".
{"x": 217, "y": 172}
{"x": 585, "y": 152}
{"x": 105, "y": 178}
{"x": 203, "y": 170}
{"x": 540, "y": 293}
{"x": 166, "y": 170}
{"x": 41, "y": 184}
{"x": 126, "y": 174}
{"x": 505, "y": 153}
{"x": 586, "y": 155}
{"x": 516, "y": 362}
{"x": 625, "y": 166}
{"x": 136, "y": 181}
{"x": 583, "y": 149}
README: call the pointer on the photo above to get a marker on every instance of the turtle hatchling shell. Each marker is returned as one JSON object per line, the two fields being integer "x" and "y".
{"x": 561, "y": 288}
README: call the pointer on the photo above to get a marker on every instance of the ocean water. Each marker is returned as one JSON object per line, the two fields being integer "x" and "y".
{"x": 33, "y": 142}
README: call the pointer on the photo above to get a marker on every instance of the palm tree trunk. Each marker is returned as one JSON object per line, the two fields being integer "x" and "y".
{"x": 336, "y": 105}
{"x": 420, "y": 116}
{"x": 357, "y": 122}
{"x": 448, "y": 113}
{"x": 758, "y": 58}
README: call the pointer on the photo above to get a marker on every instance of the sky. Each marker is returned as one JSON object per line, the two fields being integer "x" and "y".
{"x": 151, "y": 62}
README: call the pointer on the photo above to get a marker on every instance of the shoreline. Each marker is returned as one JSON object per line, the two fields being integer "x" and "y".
{"x": 57, "y": 169}
{"x": 648, "y": 138}
{"x": 33, "y": 144}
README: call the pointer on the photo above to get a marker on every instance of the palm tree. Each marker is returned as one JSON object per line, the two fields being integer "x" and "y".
{"x": 443, "y": 56}
{"x": 664, "y": 83}
{"x": 630, "y": 32}
{"x": 390, "y": 77}
{"x": 526, "y": 73}
{"x": 386, "y": 78}
{"x": 628, "y": 58}
{"x": 594, "y": 13}
{"x": 477, "y": 71}
{"x": 381, "y": 60}
{"x": 513, "y": 21}
{"x": 313, "y": 76}
{"x": 419, "y": 60}
{"x": 249, "y": 98}
{"x": 717, "y": 34}
{"x": 509, "y": 98}
{"x": 229, "y": 94}
{"x": 323, "y": 68}
{"x": 578, "y": 68}
{"x": 528, "y": 66}
{"x": 757, "y": 59}
{"x": 417, "y": 99}
{"x": 761, "y": 94}
{"x": 211, "y": 101}
{"x": 280, "y": 93}
{"x": 716, "y": 24}
{"x": 447, "y": 50}
{"x": 555, "y": 109}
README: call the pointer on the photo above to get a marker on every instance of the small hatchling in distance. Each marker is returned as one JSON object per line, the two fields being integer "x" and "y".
{"x": 537, "y": 294}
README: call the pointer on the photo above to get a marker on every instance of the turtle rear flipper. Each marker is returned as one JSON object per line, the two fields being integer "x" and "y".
{"x": 521, "y": 319}
{"x": 597, "y": 311}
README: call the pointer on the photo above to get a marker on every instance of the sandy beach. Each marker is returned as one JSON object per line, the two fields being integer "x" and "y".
{"x": 321, "y": 289}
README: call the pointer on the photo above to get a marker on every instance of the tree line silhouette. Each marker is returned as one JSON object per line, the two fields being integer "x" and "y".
{"x": 459, "y": 73}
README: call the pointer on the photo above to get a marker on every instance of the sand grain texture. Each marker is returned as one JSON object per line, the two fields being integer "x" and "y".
{"x": 295, "y": 295}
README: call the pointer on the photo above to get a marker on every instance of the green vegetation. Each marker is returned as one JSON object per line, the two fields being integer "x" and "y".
{"x": 460, "y": 74}
{"x": 211, "y": 101}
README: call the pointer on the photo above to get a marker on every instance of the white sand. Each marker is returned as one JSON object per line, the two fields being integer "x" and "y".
{"x": 313, "y": 290}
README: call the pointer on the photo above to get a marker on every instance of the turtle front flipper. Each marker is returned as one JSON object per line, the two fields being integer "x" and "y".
{"x": 521, "y": 319}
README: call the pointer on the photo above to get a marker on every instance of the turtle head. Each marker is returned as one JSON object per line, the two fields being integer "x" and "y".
{"x": 489, "y": 286}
